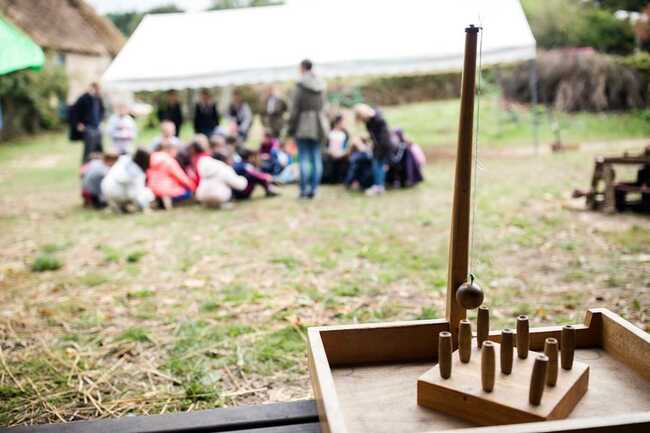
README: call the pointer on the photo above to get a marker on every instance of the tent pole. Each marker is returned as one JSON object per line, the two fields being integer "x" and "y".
{"x": 460, "y": 216}
{"x": 535, "y": 101}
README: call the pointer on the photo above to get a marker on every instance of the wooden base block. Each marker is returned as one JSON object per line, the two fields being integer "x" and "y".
{"x": 462, "y": 395}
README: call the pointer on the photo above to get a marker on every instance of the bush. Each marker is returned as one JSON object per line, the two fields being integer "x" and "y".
{"x": 407, "y": 89}
{"x": 31, "y": 99}
{"x": 394, "y": 90}
{"x": 46, "y": 262}
{"x": 640, "y": 62}
{"x": 579, "y": 80}
{"x": 568, "y": 23}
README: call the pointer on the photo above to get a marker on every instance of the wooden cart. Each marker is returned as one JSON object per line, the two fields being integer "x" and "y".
{"x": 611, "y": 195}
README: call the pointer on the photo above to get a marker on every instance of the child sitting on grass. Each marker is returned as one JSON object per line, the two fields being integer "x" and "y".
{"x": 335, "y": 157}
{"x": 244, "y": 167}
{"x": 218, "y": 146}
{"x": 125, "y": 184}
{"x": 92, "y": 174}
{"x": 217, "y": 180}
{"x": 167, "y": 180}
{"x": 359, "y": 175}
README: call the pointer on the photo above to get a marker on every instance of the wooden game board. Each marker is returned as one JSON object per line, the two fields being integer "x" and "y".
{"x": 365, "y": 377}
{"x": 462, "y": 395}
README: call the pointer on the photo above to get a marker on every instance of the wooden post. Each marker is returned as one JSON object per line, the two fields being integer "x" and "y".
{"x": 506, "y": 352}
{"x": 465, "y": 341}
{"x": 523, "y": 336}
{"x": 550, "y": 350}
{"x": 482, "y": 325}
{"x": 460, "y": 215}
{"x": 610, "y": 196}
{"x": 567, "y": 346}
{"x": 444, "y": 354}
{"x": 537, "y": 380}
{"x": 488, "y": 366}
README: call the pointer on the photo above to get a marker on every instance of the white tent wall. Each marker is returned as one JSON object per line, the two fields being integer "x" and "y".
{"x": 342, "y": 37}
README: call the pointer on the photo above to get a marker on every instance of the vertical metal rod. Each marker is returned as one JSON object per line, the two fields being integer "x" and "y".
{"x": 460, "y": 216}
{"x": 535, "y": 101}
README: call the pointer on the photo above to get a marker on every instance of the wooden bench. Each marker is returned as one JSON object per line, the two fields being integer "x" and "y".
{"x": 295, "y": 417}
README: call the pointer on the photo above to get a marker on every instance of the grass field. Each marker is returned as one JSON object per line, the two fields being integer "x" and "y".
{"x": 106, "y": 315}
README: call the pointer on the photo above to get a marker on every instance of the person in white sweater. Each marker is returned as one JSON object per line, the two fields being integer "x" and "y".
{"x": 125, "y": 183}
{"x": 122, "y": 129}
{"x": 216, "y": 179}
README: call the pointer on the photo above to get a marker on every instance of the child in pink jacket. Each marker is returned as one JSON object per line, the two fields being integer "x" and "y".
{"x": 167, "y": 179}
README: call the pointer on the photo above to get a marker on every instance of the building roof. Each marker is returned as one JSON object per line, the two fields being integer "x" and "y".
{"x": 64, "y": 25}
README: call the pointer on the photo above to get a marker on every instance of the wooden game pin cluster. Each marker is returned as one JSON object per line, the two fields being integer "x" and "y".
{"x": 527, "y": 388}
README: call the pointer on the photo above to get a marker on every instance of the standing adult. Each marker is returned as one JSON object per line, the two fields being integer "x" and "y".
{"x": 382, "y": 144}
{"x": 274, "y": 109}
{"x": 171, "y": 110}
{"x": 240, "y": 112}
{"x": 86, "y": 115}
{"x": 206, "y": 115}
{"x": 308, "y": 125}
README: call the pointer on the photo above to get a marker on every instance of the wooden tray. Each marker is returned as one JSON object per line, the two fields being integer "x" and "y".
{"x": 364, "y": 377}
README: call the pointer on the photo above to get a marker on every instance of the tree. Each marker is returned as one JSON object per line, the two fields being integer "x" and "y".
{"x": 604, "y": 32}
{"x": 626, "y": 5}
{"x": 569, "y": 23}
{"x": 127, "y": 22}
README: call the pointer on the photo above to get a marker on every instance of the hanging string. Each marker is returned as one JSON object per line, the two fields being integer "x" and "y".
{"x": 479, "y": 91}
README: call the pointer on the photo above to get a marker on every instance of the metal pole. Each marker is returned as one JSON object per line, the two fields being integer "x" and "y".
{"x": 534, "y": 102}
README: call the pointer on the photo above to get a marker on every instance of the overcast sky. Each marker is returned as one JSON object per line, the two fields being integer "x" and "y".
{"x": 105, "y": 6}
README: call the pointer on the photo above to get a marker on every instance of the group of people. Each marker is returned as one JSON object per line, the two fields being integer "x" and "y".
{"x": 217, "y": 165}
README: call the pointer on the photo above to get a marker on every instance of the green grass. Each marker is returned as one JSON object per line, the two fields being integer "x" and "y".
{"x": 135, "y": 256}
{"x": 46, "y": 262}
{"x": 136, "y": 335}
{"x": 434, "y": 124}
{"x": 183, "y": 309}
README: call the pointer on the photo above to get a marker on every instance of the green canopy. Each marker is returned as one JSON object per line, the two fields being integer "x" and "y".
{"x": 18, "y": 50}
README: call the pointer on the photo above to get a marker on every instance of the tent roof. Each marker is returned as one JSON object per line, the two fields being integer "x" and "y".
{"x": 342, "y": 37}
{"x": 18, "y": 50}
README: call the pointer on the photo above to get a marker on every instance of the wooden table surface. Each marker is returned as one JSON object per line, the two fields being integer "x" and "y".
{"x": 295, "y": 417}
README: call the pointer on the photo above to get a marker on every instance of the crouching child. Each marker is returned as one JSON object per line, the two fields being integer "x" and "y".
{"x": 125, "y": 185}
{"x": 216, "y": 179}
{"x": 92, "y": 174}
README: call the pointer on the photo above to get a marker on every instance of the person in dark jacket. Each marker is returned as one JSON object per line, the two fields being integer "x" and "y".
{"x": 206, "y": 115}
{"x": 85, "y": 118}
{"x": 274, "y": 109}
{"x": 171, "y": 110}
{"x": 309, "y": 127}
{"x": 240, "y": 112}
{"x": 382, "y": 144}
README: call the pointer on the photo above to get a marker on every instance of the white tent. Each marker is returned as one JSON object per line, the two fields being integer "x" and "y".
{"x": 342, "y": 37}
